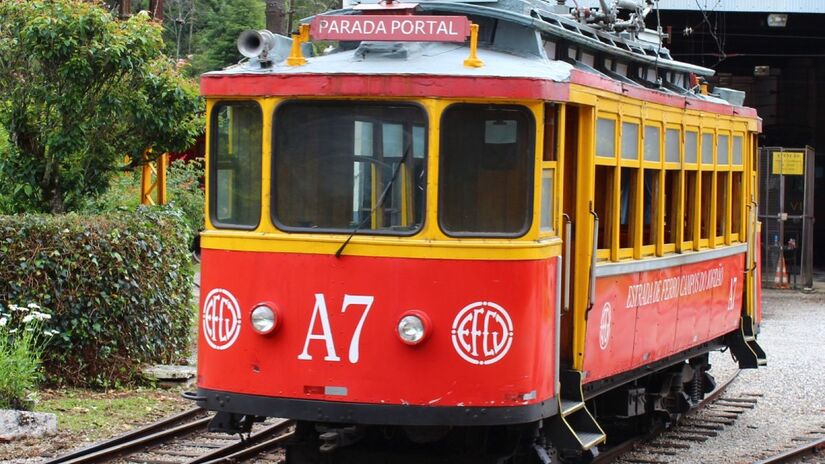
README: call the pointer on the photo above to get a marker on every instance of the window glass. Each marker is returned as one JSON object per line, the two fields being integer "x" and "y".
{"x": 550, "y": 132}
{"x": 671, "y": 205}
{"x": 736, "y": 203}
{"x": 486, "y": 169}
{"x": 340, "y": 166}
{"x": 721, "y": 203}
{"x": 707, "y": 148}
{"x": 691, "y": 146}
{"x": 737, "y": 151}
{"x": 691, "y": 190}
{"x": 603, "y": 204}
{"x": 672, "y": 142}
{"x": 627, "y": 206}
{"x": 547, "y": 200}
{"x": 722, "y": 155}
{"x": 235, "y": 165}
{"x": 707, "y": 200}
{"x": 653, "y": 144}
{"x": 650, "y": 204}
{"x": 630, "y": 140}
{"x": 606, "y": 137}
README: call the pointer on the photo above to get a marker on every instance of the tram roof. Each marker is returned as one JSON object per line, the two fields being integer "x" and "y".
{"x": 523, "y": 27}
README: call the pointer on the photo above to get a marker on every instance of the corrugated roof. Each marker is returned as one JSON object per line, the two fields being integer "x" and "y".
{"x": 742, "y": 6}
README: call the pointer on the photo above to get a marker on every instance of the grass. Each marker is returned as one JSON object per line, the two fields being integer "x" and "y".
{"x": 98, "y": 415}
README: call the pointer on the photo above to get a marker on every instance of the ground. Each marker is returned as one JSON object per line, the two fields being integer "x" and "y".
{"x": 85, "y": 417}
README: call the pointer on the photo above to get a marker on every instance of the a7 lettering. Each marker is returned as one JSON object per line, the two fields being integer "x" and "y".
{"x": 320, "y": 312}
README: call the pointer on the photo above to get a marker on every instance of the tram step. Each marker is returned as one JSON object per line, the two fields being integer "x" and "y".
{"x": 589, "y": 440}
{"x": 574, "y": 430}
{"x": 569, "y": 407}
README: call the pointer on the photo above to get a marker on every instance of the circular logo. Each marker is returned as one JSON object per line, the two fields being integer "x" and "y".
{"x": 482, "y": 333}
{"x": 604, "y": 325}
{"x": 221, "y": 319}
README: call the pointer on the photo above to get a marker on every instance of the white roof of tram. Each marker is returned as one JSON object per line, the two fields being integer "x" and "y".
{"x": 422, "y": 58}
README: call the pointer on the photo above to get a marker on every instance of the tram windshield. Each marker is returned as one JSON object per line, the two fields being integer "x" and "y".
{"x": 333, "y": 162}
{"x": 487, "y": 157}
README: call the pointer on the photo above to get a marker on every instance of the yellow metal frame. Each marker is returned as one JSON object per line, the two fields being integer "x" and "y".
{"x": 429, "y": 242}
{"x": 153, "y": 180}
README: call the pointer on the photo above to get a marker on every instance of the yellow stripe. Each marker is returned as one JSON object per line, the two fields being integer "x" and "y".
{"x": 389, "y": 247}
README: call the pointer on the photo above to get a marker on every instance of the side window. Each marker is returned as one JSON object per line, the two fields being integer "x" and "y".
{"x": 603, "y": 204}
{"x": 606, "y": 138}
{"x": 486, "y": 170}
{"x": 235, "y": 165}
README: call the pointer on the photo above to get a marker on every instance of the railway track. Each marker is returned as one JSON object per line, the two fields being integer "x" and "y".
{"x": 718, "y": 411}
{"x": 810, "y": 451}
{"x": 185, "y": 439}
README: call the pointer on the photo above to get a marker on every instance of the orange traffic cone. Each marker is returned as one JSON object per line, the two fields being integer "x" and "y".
{"x": 780, "y": 280}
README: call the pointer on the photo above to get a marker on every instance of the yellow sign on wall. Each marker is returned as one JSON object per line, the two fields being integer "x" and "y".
{"x": 788, "y": 163}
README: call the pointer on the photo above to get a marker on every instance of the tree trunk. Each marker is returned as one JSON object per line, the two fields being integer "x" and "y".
{"x": 156, "y": 9}
{"x": 275, "y": 15}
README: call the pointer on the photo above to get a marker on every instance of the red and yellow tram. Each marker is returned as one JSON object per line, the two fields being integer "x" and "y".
{"x": 488, "y": 232}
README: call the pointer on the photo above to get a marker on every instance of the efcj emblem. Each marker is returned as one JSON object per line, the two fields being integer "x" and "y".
{"x": 221, "y": 319}
{"x": 482, "y": 333}
{"x": 605, "y": 325}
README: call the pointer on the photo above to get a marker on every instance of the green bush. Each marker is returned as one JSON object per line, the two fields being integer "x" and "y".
{"x": 183, "y": 182}
{"x": 22, "y": 342}
{"x": 119, "y": 287}
{"x": 185, "y": 192}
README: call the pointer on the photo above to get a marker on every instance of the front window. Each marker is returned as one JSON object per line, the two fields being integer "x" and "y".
{"x": 486, "y": 173}
{"x": 341, "y": 166}
{"x": 235, "y": 165}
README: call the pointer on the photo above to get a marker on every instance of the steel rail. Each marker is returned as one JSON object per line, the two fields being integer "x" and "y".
{"x": 252, "y": 451}
{"x": 796, "y": 453}
{"x": 242, "y": 448}
{"x": 131, "y": 436}
{"x": 118, "y": 449}
{"x": 624, "y": 447}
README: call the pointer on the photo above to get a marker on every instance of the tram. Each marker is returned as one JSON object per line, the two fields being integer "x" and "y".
{"x": 471, "y": 231}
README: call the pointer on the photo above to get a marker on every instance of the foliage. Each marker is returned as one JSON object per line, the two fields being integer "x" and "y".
{"x": 183, "y": 183}
{"x": 123, "y": 194}
{"x": 118, "y": 285}
{"x": 220, "y": 23}
{"x": 185, "y": 192}
{"x": 23, "y": 339}
{"x": 78, "y": 91}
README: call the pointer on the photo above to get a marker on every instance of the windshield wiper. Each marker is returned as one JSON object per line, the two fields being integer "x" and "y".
{"x": 380, "y": 204}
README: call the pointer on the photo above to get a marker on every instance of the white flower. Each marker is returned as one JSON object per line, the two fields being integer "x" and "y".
{"x": 39, "y": 316}
{"x": 14, "y": 307}
{"x": 33, "y": 306}
{"x": 28, "y": 318}
{"x": 3, "y": 321}
{"x": 12, "y": 331}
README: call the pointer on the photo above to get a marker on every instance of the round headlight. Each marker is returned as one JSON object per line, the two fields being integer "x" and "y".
{"x": 264, "y": 319}
{"x": 413, "y": 328}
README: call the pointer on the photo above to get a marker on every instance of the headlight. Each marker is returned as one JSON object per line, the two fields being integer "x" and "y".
{"x": 264, "y": 319}
{"x": 414, "y": 327}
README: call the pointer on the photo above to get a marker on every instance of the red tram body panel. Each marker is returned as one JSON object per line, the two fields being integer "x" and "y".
{"x": 493, "y": 328}
{"x": 644, "y": 317}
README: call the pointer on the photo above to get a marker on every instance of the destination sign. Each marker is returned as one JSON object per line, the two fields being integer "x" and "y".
{"x": 391, "y": 28}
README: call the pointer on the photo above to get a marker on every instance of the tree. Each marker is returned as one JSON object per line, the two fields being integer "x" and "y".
{"x": 78, "y": 91}
{"x": 276, "y": 16}
{"x": 222, "y": 22}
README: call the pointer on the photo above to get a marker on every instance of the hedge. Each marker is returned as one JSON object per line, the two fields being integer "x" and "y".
{"x": 119, "y": 288}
